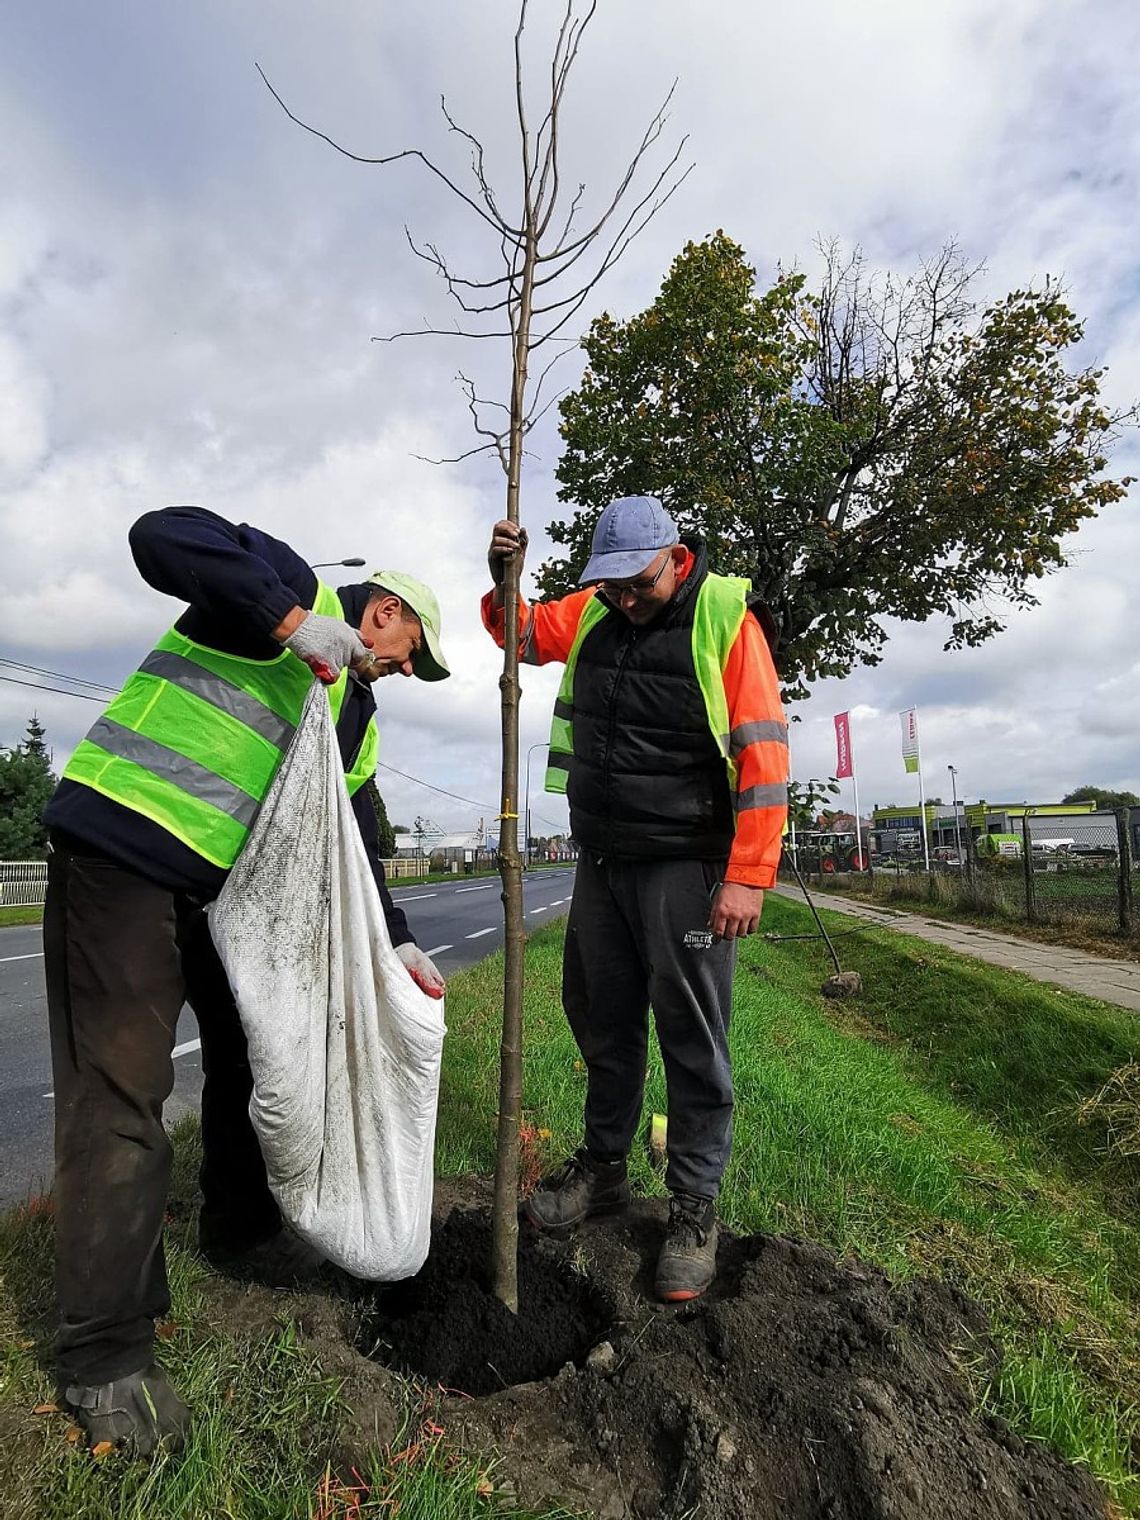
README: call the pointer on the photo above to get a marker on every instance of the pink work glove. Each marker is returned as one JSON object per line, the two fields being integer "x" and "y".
{"x": 421, "y": 969}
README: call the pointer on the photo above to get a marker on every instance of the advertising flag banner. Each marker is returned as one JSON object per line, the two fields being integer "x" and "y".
{"x": 909, "y": 721}
{"x": 842, "y": 745}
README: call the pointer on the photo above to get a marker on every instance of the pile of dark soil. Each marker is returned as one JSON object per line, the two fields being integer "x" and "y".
{"x": 800, "y": 1388}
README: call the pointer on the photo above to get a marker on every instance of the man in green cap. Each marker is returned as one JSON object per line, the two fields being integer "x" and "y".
{"x": 152, "y": 811}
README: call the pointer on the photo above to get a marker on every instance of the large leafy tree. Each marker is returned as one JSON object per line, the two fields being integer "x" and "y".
{"x": 1102, "y": 797}
{"x": 871, "y": 449}
{"x": 26, "y": 784}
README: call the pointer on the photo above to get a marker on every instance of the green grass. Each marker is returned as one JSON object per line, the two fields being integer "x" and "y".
{"x": 29, "y": 915}
{"x": 928, "y": 1126}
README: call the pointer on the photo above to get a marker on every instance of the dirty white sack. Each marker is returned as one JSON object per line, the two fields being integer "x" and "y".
{"x": 345, "y": 1049}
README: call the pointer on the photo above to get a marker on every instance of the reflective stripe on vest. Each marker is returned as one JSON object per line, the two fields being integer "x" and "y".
{"x": 717, "y": 618}
{"x": 195, "y": 737}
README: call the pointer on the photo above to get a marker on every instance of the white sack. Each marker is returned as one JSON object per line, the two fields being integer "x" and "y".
{"x": 344, "y": 1047}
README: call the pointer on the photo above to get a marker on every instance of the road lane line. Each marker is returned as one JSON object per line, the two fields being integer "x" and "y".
{"x": 34, "y": 956}
{"x": 488, "y": 888}
{"x": 438, "y": 950}
{"x": 480, "y": 932}
{"x": 423, "y": 897}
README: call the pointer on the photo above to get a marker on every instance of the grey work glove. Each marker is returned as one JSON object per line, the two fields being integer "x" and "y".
{"x": 327, "y": 645}
{"x": 421, "y": 969}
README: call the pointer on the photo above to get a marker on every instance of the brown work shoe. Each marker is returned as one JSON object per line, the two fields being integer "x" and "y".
{"x": 581, "y": 1188}
{"x": 686, "y": 1264}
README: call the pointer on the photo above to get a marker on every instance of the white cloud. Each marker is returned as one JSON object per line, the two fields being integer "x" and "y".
{"x": 188, "y": 285}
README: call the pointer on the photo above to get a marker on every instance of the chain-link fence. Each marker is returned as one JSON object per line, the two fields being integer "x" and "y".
{"x": 1075, "y": 870}
{"x": 1082, "y": 872}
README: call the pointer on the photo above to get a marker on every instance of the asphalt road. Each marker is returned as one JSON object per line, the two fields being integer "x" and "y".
{"x": 456, "y": 924}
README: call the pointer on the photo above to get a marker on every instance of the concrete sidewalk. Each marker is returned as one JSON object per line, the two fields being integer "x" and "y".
{"x": 1093, "y": 975}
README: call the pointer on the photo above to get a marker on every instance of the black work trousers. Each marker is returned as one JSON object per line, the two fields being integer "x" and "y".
{"x": 121, "y": 957}
{"x": 624, "y": 954}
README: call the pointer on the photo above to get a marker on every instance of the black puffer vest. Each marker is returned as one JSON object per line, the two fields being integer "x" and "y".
{"x": 647, "y": 781}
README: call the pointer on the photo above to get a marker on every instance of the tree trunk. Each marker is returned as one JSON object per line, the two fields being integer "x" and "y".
{"x": 505, "y": 1229}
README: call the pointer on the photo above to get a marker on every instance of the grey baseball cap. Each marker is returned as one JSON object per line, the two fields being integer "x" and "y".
{"x": 631, "y": 532}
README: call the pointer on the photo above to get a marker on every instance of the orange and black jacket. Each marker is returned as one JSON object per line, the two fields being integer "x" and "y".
{"x": 648, "y": 779}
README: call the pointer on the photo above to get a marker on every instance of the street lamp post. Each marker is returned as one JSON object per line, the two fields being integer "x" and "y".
{"x": 526, "y": 807}
{"x": 324, "y": 564}
{"x": 954, "y": 793}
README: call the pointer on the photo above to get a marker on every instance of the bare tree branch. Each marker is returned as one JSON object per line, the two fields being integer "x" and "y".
{"x": 390, "y": 158}
{"x": 477, "y": 158}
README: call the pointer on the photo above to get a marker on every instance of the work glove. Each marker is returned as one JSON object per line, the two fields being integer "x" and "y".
{"x": 421, "y": 969}
{"x": 327, "y": 645}
{"x": 507, "y": 540}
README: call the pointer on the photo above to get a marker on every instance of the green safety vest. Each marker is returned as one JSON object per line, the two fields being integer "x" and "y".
{"x": 195, "y": 737}
{"x": 717, "y": 617}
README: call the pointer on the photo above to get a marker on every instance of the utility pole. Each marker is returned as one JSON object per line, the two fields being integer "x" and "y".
{"x": 954, "y": 793}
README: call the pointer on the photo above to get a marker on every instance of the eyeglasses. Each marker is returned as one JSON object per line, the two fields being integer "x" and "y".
{"x": 618, "y": 589}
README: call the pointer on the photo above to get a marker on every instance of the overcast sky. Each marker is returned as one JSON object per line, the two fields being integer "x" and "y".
{"x": 189, "y": 284}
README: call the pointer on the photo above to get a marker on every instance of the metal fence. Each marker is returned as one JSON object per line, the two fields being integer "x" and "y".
{"x": 1078, "y": 872}
{"x": 23, "y": 883}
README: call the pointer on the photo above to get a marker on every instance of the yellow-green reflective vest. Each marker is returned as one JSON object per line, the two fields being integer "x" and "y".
{"x": 717, "y": 616}
{"x": 195, "y": 737}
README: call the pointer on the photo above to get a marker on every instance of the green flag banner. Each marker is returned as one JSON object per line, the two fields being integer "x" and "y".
{"x": 909, "y": 721}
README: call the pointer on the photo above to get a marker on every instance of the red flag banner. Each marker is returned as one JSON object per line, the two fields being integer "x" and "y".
{"x": 842, "y": 745}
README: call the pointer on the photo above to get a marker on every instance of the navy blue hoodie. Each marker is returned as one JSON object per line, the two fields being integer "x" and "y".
{"x": 239, "y": 583}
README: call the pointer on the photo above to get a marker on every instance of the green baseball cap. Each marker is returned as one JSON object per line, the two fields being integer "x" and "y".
{"x": 429, "y": 664}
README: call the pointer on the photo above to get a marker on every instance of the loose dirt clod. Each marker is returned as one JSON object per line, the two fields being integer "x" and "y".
{"x": 844, "y": 984}
{"x": 799, "y": 1388}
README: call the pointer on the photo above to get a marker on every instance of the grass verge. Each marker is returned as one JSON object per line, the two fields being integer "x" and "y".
{"x": 929, "y": 1126}
{"x": 11, "y": 916}
{"x": 990, "y": 903}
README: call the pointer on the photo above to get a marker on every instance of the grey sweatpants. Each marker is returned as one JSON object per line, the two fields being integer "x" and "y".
{"x": 624, "y": 954}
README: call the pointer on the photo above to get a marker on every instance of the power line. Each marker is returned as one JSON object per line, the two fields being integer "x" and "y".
{"x": 62, "y": 690}
{"x": 485, "y": 807}
{"x": 59, "y": 675}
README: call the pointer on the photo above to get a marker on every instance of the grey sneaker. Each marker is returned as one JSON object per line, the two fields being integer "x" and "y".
{"x": 282, "y": 1261}
{"x": 581, "y": 1188}
{"x": 686, "y": 1264}
{"x": 139, "y": 1412}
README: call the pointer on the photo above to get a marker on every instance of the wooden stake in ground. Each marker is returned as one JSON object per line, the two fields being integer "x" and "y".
{"x": 550, "y": 268}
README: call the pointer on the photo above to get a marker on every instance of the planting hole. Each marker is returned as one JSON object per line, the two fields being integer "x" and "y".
{"x": 445, "y": 1326}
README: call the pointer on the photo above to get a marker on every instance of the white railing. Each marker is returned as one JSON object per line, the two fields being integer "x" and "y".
{"x": 23, "y": 883}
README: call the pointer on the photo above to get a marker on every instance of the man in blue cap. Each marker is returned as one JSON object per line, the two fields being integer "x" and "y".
{"x": 670, "y": 742}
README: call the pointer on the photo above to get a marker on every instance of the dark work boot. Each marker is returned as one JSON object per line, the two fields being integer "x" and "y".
{"x": 686, "y": 1264}
{"x": 581, "y": 1188}
{"x": 282, "y": 1261}
{"x": 139, "y": 1412}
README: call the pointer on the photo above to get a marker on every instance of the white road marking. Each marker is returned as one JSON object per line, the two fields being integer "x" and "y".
{"x": 480, "y": 932}
{"x": 34, "y": 956}
{"x": 489, "y": 887}
{"x": 179, "y": 1050}
{"x": 421, "y": 898}
{"x": 541, "y": 909}
{"x": 437, "y": 950}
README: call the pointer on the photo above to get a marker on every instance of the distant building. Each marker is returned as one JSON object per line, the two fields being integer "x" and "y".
{"x": 897, "y": 831}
